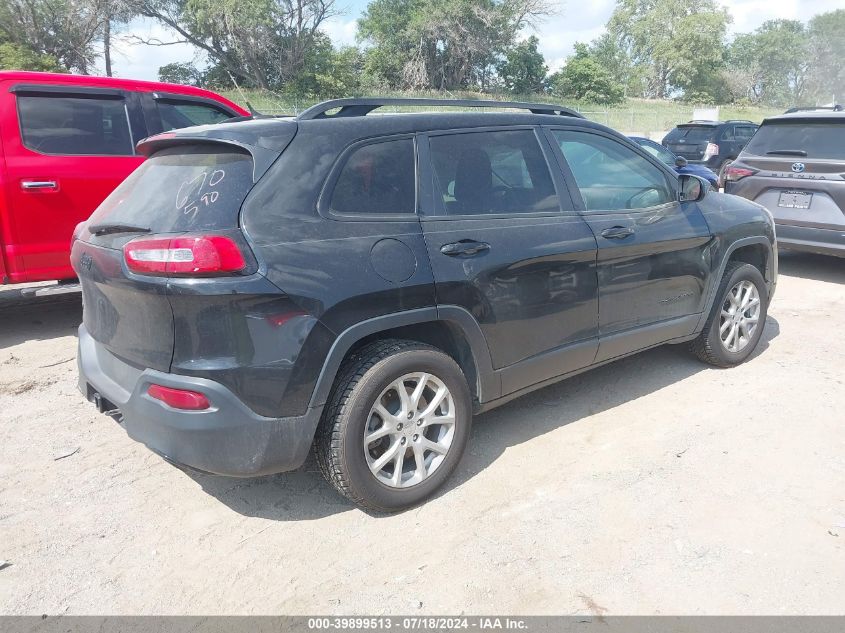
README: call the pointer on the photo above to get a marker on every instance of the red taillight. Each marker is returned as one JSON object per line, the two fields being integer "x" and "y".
{"x": 184, "y": 255}
{"x": 179, "y": 398}
{"x": 711, "y": 151}
{"x": 732, "y": 174}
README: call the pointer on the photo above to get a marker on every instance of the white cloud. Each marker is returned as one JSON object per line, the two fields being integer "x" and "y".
{"x": 573, "y": 23}
{"x": 141, "y": 61}
{"x": 340, "y": 30}
{"x": 749, "y": 14}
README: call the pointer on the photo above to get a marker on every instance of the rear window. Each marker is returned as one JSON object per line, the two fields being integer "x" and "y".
{"x": 182, "y": 189}
{"x": 819, "y": 140}
{"x": 691, "y": 133}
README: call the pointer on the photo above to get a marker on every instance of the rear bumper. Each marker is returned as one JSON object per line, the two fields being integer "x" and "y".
{"x": 811, "y": 240}
{"x": 227, "y": 439}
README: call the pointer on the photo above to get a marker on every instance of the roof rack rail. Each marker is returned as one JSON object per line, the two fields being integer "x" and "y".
{"x": 739, "y": 121}
{"x": 831, "y": 108}
{"x": 362, "y": 107}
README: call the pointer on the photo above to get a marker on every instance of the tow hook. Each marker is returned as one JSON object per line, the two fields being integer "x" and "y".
{"x": 103, "y": 405}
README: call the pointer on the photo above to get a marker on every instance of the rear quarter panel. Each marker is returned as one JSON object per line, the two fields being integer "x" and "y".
{"x": 326, "y": 266}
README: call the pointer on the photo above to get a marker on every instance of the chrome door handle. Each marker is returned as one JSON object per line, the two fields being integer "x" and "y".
{"x": 464, "y": 248}
{"x": 617, "y": 232}
{"x": 34, "y": 185}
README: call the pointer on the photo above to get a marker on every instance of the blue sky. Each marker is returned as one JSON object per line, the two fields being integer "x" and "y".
{"x": 574, "y": 22}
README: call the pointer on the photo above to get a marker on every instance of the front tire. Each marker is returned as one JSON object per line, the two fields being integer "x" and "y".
{"x": 735, "y": 325}
{"x": 396, "y": 425}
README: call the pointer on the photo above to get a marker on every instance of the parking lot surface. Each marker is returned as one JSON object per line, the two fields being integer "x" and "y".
{"x": 656, "y": 485}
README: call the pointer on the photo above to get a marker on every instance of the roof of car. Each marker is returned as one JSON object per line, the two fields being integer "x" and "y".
{"x": 811, "y": 115}
{"x": 708, "y": 123}
{"x": 111, "y": 82}
{"x": 263, "y": 131}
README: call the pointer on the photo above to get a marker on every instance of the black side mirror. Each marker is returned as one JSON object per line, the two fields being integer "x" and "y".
{"x": 691, "y": 188}
{"x": 680, "y": 161}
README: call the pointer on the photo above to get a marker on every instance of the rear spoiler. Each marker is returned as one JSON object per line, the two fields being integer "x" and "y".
{"x": 263, "y": 139}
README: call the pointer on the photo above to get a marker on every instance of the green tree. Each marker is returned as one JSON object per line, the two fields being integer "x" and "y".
{"x": 184, "y": 73}
{"x": 262, "y": 43}
{"x": 673, "y": 43}
{"x": 442, "y": 44}
{"x": 328, "y": 72}
{"x": 67, "y": 31}
{"x": 608, "y": 52}
{"x": 524, "y": 70}
{"x": 585, "y": 79}
{"x": 826, "y": 37}
{"x": 771, "y": 62}
{"x": 17, "y": 57}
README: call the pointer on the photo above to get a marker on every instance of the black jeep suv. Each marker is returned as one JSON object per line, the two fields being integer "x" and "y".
{"x": 365, "y": 284}
{"x": 711, "y": 143}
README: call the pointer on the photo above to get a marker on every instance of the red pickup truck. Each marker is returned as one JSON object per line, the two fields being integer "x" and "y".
{"x": 66, "y": 141}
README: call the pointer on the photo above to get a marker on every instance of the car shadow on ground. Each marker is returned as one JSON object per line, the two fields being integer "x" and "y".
{"x": 39, "y": 319}
{"x": 811, "y": 266}
{"x": 304, "y": 494}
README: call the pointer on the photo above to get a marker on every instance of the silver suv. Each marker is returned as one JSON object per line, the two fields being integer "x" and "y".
{"x": 795, "y": 167}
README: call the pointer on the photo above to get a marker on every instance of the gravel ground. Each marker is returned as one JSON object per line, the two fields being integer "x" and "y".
{"x": 654, "y": 485}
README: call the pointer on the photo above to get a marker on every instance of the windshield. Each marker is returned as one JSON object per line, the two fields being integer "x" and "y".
{"x": 691, "y": 133}
{"x": 659, "y": 152}
{"x": 181, "y": 189}
{"x": 825, "y": 140}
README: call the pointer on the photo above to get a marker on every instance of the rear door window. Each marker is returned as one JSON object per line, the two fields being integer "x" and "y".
{"x": 177, "y": 114}
{"x": 501, "y": 172}
{"x": 75, "y": 126}
{"x": 191, "y": 188}
{"x": 823, "y": 139}
{"x": 378, "y": 178}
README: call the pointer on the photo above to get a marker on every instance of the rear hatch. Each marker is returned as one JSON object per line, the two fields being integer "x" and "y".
{"x": 796, "y": 169}
{"x": 190, "y": 189}
{"x": 690, "y": 140}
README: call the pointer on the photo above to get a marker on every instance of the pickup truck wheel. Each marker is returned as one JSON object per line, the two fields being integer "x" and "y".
{"x": 736, "y": 322}
{"x": 395, "y": 426}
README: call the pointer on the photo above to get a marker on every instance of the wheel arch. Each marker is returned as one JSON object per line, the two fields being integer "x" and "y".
{"x": 744, "y": 249}
{"x": 449, "y": 328}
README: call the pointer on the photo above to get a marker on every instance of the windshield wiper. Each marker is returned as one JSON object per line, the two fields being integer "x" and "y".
{"x": 788, "y": 152}
{"x": 111, "y": 229}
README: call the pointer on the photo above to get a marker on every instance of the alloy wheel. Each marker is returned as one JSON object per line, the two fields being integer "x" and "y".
{"x": 409, "y": 430}
{"x": 740, "y": 316}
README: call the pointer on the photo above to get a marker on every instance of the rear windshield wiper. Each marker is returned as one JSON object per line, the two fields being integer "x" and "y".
{"x": 788, "y": 152}
{"x": 110, "y": 229}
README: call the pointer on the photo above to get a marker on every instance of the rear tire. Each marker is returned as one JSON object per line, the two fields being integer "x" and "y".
{"x": 385, "y": 451}
{"x": 735, "y": 325}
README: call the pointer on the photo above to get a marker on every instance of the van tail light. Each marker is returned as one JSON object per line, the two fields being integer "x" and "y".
{"x": 732, "y": 174}
{"x": 201, "y": 255}
{"x": 179, "y": 398}
{"x": 711, "y": 151}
